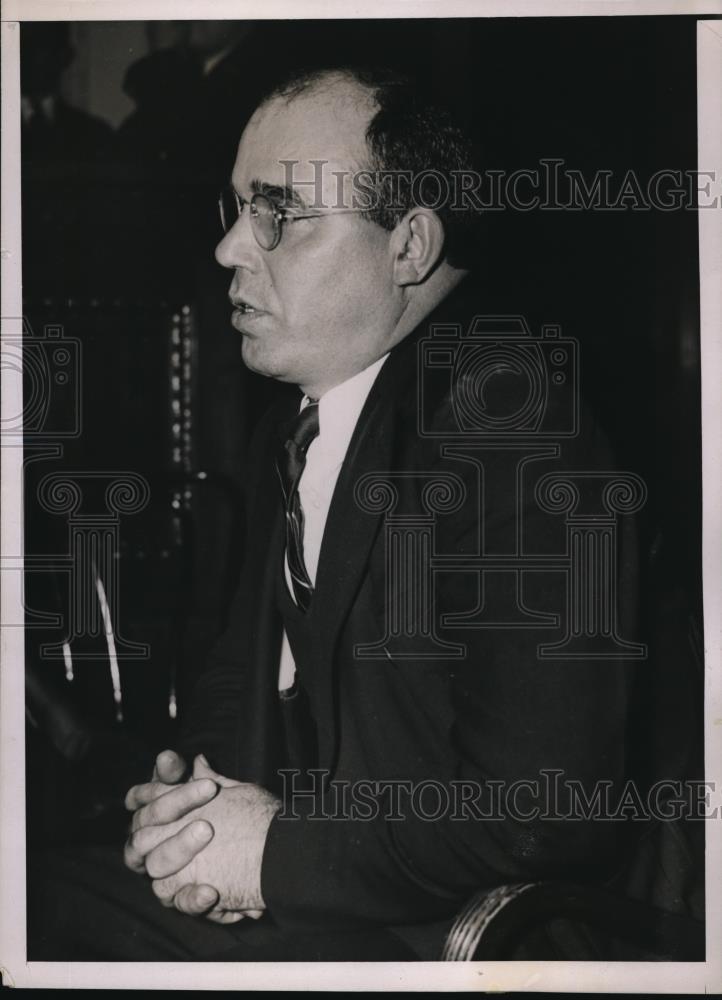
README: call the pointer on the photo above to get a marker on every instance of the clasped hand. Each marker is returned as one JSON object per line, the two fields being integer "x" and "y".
{"x": 201, "y": 840}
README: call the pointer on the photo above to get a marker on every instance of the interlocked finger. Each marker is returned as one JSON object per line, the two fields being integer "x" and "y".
{"x": 173, "y": 853}
{"x": 175, "y": 803}
{"x": 140, "y": 843}
{"x": 225, "y": 916}
{"x": 196, "y": 900}
{"x": 141, "y": 795}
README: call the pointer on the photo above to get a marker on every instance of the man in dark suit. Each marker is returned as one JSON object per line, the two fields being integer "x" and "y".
{"x": 339, "y": 304}
{"x": 371, "y": 738}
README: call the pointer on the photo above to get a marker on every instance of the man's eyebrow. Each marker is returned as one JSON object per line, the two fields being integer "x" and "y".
{"x": 280, "y": 193}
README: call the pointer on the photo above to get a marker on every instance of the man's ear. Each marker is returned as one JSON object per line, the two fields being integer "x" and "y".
{"x": 417, "y": 244}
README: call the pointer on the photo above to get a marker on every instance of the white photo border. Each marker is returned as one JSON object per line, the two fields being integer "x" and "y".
{"x": 634, "y": 977}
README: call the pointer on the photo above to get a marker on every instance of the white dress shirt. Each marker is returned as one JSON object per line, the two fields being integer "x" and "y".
{"x": 338, "y": 413}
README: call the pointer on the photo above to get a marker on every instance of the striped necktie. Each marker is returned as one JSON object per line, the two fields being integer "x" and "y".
{"x": 290, "y": 466}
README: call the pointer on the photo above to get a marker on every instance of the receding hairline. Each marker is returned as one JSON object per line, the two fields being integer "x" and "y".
{"x": 326, "y": 83}
{"x": 335, "y": 87}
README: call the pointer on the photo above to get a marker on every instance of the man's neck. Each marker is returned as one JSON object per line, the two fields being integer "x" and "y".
{"x": 428, "y": 297}
{"x": 417, "y": 308}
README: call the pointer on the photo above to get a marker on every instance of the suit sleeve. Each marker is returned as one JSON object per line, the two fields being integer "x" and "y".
{"x": 210, "y": 723}
{"x": 220, "y": 696}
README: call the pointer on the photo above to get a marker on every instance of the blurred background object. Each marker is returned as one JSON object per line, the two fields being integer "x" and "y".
{"x": 53, "y": 129}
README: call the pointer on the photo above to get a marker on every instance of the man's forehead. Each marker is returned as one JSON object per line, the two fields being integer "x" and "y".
{"x": 325, "y": 126}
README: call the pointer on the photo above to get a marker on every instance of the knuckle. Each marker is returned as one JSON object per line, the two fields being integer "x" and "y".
{"x": 141, "y": 796}
{"x": 200, "y": 832}
{"x": 205, "y": 788}
{"x": 162, "y": 889}
{"x": 146, "y": 793}
{"x": 149, "y": 815}
{"x": 154, "y": 865}
{"x": 181, "y": 903}
{"x": 141, "y": 817}
{"x": 166, "y": 807}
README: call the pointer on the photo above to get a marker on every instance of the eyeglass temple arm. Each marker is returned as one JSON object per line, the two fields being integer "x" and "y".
{"x": 291, "y": 216}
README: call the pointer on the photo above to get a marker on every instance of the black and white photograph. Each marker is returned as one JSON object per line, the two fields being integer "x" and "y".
{"x": 361, "y": 496}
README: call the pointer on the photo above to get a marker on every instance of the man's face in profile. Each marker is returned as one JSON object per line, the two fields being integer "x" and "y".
{"x": 324, "y": 300}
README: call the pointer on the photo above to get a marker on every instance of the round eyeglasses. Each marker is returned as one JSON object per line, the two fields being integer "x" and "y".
{"x": 267, "y": 218}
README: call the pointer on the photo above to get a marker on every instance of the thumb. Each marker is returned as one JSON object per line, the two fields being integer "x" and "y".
{"x": 169, "y": 767}
{"x": 202, "y": 769}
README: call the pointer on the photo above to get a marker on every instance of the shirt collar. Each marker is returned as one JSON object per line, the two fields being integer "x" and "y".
{"x": 340, "y": 408}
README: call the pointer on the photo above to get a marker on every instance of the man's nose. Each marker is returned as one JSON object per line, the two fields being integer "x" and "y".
{"x": 238, "y": 248}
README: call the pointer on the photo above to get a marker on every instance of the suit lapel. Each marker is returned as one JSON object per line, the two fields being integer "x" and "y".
{"x": 350, "y": 533}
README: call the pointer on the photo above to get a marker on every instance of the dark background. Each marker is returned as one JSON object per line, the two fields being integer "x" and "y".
{"x": 119, "y": 226}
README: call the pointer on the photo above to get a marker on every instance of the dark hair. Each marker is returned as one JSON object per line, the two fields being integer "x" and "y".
{"x": 410, "y": 133}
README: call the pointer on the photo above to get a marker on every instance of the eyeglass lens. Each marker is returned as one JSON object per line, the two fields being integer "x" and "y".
{"x": 263, "y": 220}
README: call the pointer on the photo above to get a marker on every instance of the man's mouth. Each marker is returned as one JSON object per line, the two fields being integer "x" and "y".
{"x": 245, "y": 315}
{"x": 245, "y": 307}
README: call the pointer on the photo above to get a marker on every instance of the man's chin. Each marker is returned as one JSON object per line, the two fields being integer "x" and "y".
{"x": 258, "y": 361}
